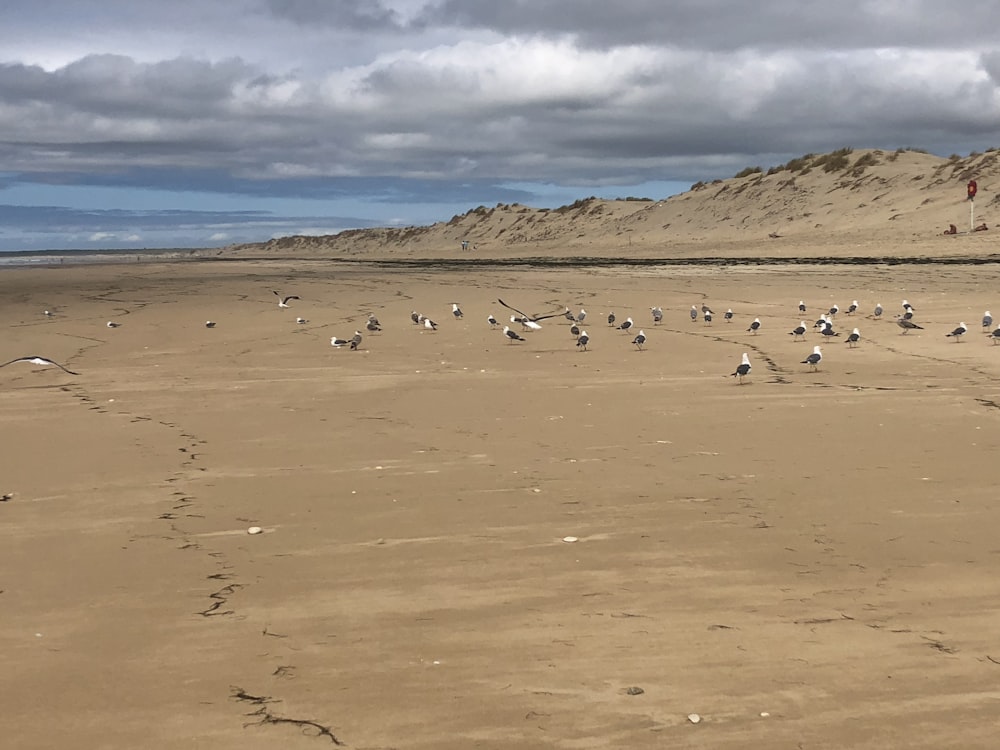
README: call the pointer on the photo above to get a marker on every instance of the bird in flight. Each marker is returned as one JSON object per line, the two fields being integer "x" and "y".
{"x": 283, "y": 301}
{"x": 34, "y": 359}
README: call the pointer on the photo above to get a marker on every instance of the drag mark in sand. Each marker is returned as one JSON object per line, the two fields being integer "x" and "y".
{"x": 266, "y": 716}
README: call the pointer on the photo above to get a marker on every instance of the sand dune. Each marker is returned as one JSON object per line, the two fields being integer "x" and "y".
{"x": 805, "y": 560}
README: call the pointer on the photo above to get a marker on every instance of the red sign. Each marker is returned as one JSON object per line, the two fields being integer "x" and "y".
{"x": 972, "y": 187}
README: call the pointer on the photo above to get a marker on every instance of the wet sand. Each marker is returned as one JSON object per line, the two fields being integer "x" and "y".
{"x": 819, "y": 547}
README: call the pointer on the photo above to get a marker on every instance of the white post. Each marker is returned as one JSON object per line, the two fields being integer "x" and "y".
{"x": 972, "y": 213}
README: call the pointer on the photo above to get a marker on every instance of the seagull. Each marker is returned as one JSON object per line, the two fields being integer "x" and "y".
{"x": 908, "y": 315}
{"x": 657, "y": 315}
{"x": 878, "y": 309}
{"x": 582, "y": 340}
{"x": 799, "y": 330}
{"x": 529, "y": 319}
{"x": 372, "y": 324}
{"x": 301, "y": 321}
{"x": 958, "y": 332}
{"x": 47, "y": 313}
{"x": 743, "y": 369}
{"x": 854, "y": 338}
{"x": 373, "y": 319}
{"x": 42, "y": 361}
{"x": 355, "y": 340}
{"x": 987, "y": 319}
{"x": 283, "y": 301}
{"x": 611, "y": 318}
{"x": 569, "y": 316}
{"x": 708, "y": 318}
{"x": 112, "y": 324}
{"x": 511, "y": 335}
{"x": 209, "y": 324}
{"x": 755, "y": 326}
{"x": 821, "y": 322}
{"x": 802, "y": 306}
{"x": 814, "y": 358}
{"x": 581, "y": 315}
{"x": 907, "y": 325}
{"x": 995, "y": 336}
{"x": 852, "y": 308}
{"x": 334, "y": 341}
{"x": 694, "y": 313}
{"x": 492, "y": 321}
{"x": 728, "y": 315}
{"x": 706, "y": 310}
{"x": 456, "y": 310}
{"x": 833, "y": 310}
{"x": 416, "y": 317}
{"x": 908, "y": 307}
{"x": 626, "y": 325}
{"x": 639, "y": 339}
{"x": 574, "y": 330}
{"x": 828, "y": 330}
{"x": 430, "y": 325}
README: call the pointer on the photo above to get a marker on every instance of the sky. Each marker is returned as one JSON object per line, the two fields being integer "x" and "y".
{"x": 201, "y": 123}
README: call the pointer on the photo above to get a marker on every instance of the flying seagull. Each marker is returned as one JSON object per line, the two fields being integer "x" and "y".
{"x": 814, "y": 358}
{"x": 531, "y": 318}
{"x": 639, "y": 339}
{"x": 456, "y": 310}
{"x": 743, "y": 369}
{"x": 582, "y": 340}
{"x": 283, "y": 301}
{"x": 799, "y": 330}
{"x": 42, "y": 361}
{"x": 958, "y": 332}
{"x": 907, "y": 325}
{"x": 526, "y": 323}
{"x": 511, "y": 335}
{"x": 755, "y": 326}
{"x": 853, "y": 339}
{"x": 355, "y": 340}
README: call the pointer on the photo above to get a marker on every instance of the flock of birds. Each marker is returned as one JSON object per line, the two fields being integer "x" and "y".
{"x": 824, "y": 325}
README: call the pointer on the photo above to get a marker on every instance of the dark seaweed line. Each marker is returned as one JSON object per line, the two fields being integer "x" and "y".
{"x": 605, "y": 262}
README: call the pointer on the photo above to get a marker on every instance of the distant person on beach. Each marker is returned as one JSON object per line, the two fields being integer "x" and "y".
{"x": 981, "y": 228}
{"x": 952, "y": 229}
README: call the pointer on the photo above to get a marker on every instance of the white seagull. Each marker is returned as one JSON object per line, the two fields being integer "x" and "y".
{"x": 611, "y": 318}
{"x": 657, "y": 315}
{"x": 530, "y": 321}
{"x": 334, "y": 341}
{"x": 582, "y": 340}
{"x": 492, "y": 321}
{"x": 581, "y": 315}
{"x": 987, "y": 319}
{"x": 626, "y": 325}
{"x": 456, "y": 310}
{"x": 511, "y": 335}
{"x": 283, "y": 301}
{"x": 209, "y": 324}
{"x": 958, "y": 332}
{"x": 995, "y": 336}
{"x": 743, "y": 369}
{"x": 430, "y": 325}
{"x": 878, "y": 309}
{"x": 755, "y": 326}
{"x": 356, "y": 340}
{"x": 48, "y": 313}
{"x": 814, "y": 358}
{"x": 852, "y": 308}
{"x": 34, "y": 359}
{"x": 694, "y": 313}
{"x": 639, "y": 339}
{"x": 112, "y": 324}
{"x": 301, "y": 321}
{"x": 853, "y": 339}
{"x": 799, "y": 330}
{"x": 802, "y": 306}
{"x": 372, "y": 324}
{"x": 729, "y": 315}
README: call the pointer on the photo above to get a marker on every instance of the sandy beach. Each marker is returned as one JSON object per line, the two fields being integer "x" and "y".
{"x": 806, "y": 560}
